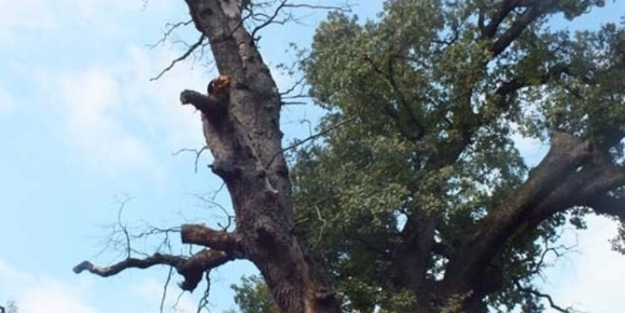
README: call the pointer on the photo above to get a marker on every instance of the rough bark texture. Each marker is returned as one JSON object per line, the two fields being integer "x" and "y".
{"x": 245, "y": 141}
{"x": 241, "y": 125}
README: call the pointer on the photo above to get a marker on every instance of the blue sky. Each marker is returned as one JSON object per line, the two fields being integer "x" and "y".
{"x": 82, "y": 127}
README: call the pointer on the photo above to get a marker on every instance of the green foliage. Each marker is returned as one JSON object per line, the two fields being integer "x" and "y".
{"x": 432, "y": 132}
{"x": 253, "y": 296}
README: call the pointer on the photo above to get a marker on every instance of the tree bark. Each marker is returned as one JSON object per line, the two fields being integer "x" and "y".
{"x": 245, "y": 141}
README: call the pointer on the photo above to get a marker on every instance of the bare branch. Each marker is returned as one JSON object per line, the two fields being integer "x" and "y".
{"x": 197, "y": 153}
{"x": 346, "y": 7}
{"x": 211, "y": 202}
{"x": 155, "y": 259}
{"x": 164, "y": 296}
{"x": 268, "y": 19}
{"x": 205, "y": 236}
{"x": 181, "y": 58}
{"x": 190, "y": 268}
{"x": 315, "y": 136}
{"x": 204, "y": 299}
{"x": 170, "y": 29}
{"x": 543, "y": 296}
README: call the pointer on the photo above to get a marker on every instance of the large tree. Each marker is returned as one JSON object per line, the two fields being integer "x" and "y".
{"x": 418, "y": 200}
{"x": 421, "y": 201}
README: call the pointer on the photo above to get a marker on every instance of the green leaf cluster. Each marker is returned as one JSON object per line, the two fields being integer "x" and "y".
{"x": 429, "y": 128}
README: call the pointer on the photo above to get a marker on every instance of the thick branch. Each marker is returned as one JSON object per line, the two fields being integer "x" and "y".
{"x": 608, "y": 205}
{"x": 155, "y": 259}
{"x": 585, "y": 187}
{"x": 506, "y": 89}
{"x": 491, "y": 29}
{"x": 208, "y": 105}
{"x": 208, "y": 237}
{"x": 566, "y": 155}
{"x": 190, "y": 268}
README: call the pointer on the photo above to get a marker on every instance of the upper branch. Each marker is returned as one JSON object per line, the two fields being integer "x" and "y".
{"x": 566, "y": 155}
{"x": 208, "y": 237}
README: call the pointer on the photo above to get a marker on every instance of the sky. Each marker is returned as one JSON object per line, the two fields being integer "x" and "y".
{"x": 83, "y": 130}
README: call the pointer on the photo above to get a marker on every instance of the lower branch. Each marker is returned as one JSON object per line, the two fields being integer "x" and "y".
{"x": 190, "y": 268}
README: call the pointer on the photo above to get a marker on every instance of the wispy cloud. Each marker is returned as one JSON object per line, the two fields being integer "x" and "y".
{"x": 39, "y": 294}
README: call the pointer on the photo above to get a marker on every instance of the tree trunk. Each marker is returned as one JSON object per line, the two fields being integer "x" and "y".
{"x": 245, "y": 141}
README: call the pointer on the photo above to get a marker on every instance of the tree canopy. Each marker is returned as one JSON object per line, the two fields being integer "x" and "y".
{"x": 418, "y": 199}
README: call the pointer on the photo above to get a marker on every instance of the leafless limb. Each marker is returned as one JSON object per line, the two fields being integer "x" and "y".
{"x": 558, "y": 251}
{"x": 191, "y": 268}
{"x": 212, "y": 203}
{"x": 204, "y": 299}
{"x": 315, "y": 136}
{"x": 545, "y": 296}
{"x": 123, "y": 226}
{"x": 298, "y": 83}
{"x": 164, "y": 296}
{"x": 197, "y": 153}
{"x": 181, "y": 58}
{"x": 346, "y": 7}
{"x": 272, "y": 18}
{"x": 171, "y": 27}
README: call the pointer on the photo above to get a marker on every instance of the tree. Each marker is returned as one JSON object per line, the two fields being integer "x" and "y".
{"x": 253, "y": 296}
{"x": 243, "y": 135}
{"x": 420, "y": 201}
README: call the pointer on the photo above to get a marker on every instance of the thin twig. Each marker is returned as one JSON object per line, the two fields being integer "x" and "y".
{"x": 315, "y": 136}
{"x": 181, "y": 58}
{"x": 198, "y": 153}
{"x": 164, "y": 296}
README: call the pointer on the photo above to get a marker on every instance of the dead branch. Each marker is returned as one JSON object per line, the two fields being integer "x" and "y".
{"x": 211, "y": 202}
{"x": 181, "y": 58}
{"x": 204, "y": 299}
{"x": 269, "y": 19}
{"x": 170, "y": 29}
{"x": 164, "y": 296}
{"x": 315, "y": 136}
{"x": 541, "y": 295}
{"x": 190, "y": 268}
{"x": 197, "y": 153}
{"x": 205, "y": 236}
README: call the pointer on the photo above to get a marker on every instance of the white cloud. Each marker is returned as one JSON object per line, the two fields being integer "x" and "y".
{"x": 94, "y": 111}
{"x": 114, "y": 117}
{"x": 27, "y": 14}
{"x": 39, "y": 294}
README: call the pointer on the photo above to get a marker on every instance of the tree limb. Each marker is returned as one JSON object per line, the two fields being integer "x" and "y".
{"x": 543, "y": 296}
{"x": 205, "y": 236}
{"x": 183, "y": 57}
{"x": 190, "y": 268}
